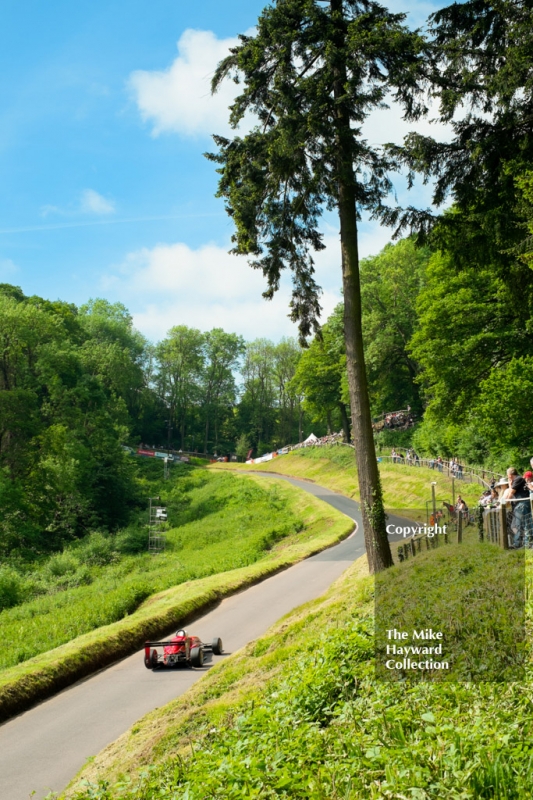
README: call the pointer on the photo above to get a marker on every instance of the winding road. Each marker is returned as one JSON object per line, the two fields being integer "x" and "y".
{"x": 42, "y": 749}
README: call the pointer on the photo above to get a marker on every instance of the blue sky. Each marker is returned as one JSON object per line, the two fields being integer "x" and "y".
{"x": 104, "y": 116}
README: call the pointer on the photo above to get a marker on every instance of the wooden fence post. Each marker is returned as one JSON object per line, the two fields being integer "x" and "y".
{"x": 459, "y": 527}
{"x": 504, "y": 541}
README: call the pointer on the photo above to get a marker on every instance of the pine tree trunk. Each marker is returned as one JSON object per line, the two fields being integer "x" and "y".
{"x": 372, "y": 511}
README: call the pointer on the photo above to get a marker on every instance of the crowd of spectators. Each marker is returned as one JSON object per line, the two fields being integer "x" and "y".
{"x": 395, "y": 419}
{"x": 515, "y": 492}
{"x": 331, "y": 438}
{"x": 314, "y": 441}
{"x": 410, "y": 458}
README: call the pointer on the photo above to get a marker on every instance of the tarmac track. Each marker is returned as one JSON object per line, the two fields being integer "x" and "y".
{"x": 42, "y": 749}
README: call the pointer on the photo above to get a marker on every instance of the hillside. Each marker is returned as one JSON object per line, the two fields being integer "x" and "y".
{"x": 300, "y": 713}
{"x": 333, "y": 466}
{"x": 101, "y": 597}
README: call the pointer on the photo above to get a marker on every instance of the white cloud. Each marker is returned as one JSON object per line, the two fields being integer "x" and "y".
{"x": 93, "y": 203}
{"x": 173, "y": 284}
{"x": 90, "y": 202}
{"x": 386, "y": 125}
{"x": 178, "y": 99}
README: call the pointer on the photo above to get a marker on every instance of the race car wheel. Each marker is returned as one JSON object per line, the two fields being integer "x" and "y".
{"x": 151, "y": 661}
{"x": 197, "y": 657}
{"x": 216, "y": 647}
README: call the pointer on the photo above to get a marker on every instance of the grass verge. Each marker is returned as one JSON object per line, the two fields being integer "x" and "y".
{"x": 299, "y": 714}
{"x": 333, "y": 466}
{"x": 41, "y": 676}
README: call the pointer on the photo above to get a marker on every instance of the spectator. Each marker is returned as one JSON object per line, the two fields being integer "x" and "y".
{"x": 528, "y": 477}
{"x": 518, "y": 494}
{"x": 461, "y": 505}
{"x": 485, "y": 498}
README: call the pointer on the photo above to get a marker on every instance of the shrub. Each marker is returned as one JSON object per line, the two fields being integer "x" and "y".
{"x": 132, "y": 540}
{"x": 12, "y": 588}
{"x": 96, "y": 550}
{"x": 61, "y": 564}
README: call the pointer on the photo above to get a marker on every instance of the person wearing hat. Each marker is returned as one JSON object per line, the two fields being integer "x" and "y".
{"x": 502, "y": 487}
{"x": 528, "y": 477}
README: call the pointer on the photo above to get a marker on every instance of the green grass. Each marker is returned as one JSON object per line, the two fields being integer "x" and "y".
{"x": 221, "y": 523}
{"x": 300, "y": 714}
{"x": 233, "y": 530}
{"x": 333, "y": 466}
{"x": 474, "y": 595}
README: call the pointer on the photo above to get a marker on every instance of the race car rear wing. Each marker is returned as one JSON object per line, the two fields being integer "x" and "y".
{"x": 174, "y": 643}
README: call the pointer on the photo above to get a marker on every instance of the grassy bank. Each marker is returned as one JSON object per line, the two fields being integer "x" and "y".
{"x": 333, "y": 466}
{"x": 233, "y": 531}
{"x": 299, "y": 714}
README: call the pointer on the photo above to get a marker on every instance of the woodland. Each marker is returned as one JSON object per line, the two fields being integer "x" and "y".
{"x": 446, "y": 311}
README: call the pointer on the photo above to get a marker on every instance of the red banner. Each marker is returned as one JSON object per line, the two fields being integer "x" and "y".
{"x": 146, "y": 453}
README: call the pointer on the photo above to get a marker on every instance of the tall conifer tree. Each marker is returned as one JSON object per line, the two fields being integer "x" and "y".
{"x": 311, "y": 74}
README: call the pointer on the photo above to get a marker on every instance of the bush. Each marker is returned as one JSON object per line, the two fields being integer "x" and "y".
{"x": 96, "y": 550}
{"x": 61, "y": 564}
{"x": 132, "y": 540}
{"x": 12, "y": 588}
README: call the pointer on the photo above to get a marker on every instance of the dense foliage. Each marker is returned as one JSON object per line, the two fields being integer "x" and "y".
{"x": 71, "y": 381}
{"x": 76, "y": 384}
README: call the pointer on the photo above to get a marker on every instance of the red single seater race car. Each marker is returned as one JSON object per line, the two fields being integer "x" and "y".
{"x": 181, "y": 649}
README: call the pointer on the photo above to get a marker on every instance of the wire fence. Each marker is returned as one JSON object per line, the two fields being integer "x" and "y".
{"x": 510, "y": 524}
{"x": 495, "y": 524}
{"x": 451, "y": 469}
{"x": 468, "y": 474}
